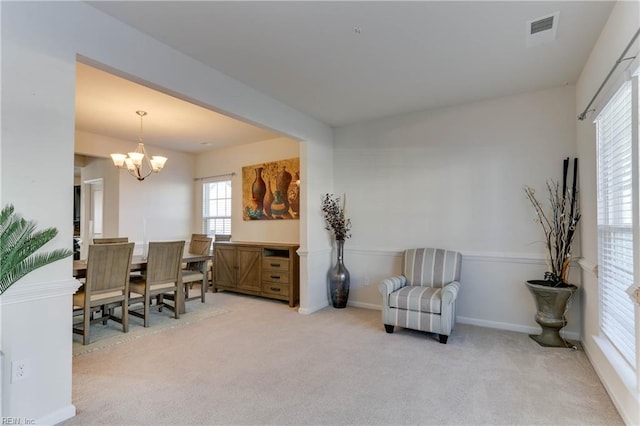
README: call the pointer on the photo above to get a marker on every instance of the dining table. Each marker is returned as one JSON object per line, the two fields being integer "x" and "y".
{"x": 139, "y": 263}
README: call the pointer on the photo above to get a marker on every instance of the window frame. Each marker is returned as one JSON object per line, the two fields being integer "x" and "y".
{"x": 622, "y": 335}
{"x": 210, "y": 230}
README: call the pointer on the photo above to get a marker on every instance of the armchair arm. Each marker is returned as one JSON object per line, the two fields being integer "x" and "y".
{"x": 449, "y": 293}
{"x": 389, "y": 285}
{"x": 448, "y": 307}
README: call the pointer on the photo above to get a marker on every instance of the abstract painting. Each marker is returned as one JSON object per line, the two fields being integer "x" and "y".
{"x": 271, "y": 190}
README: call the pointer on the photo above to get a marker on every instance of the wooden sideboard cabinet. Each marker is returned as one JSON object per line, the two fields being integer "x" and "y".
{"x": 261, "y": 269}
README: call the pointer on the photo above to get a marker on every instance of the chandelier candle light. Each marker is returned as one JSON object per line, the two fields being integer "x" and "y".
{"x": 138, "y": 163}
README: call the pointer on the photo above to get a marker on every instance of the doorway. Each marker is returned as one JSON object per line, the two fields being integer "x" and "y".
{"x": 93, "y": 191}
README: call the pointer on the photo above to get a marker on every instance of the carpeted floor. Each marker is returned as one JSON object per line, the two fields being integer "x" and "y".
{"x": 103, "y": 336}
{"x": 262, "y": 363}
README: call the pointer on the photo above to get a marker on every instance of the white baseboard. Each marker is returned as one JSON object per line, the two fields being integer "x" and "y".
{"x": 512, "y": 327}
{"x": 626, "y": 398}
{"x": 354, "y": 304}
{"x": 309, "y": 311}
{"x": 58, "y": 416}
{"x": 365, "y": 305}
{"x": 483, "y": 323}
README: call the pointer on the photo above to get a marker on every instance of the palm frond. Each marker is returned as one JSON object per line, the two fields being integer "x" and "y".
{"x": 6, "y": 214}
{"x": 19, "y": 240}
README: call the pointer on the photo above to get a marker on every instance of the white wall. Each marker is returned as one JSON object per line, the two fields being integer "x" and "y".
{"x": 36, "y": 172}
{"x": 454, "y": 178}
{"x": 40, "y": 44}
{"x": 316, "y": 163}
{"x": 232, "y": 160}
{"x": 158, "y": 208}
{"x": 619, "y": 379}
{"x": 316, "y": 178}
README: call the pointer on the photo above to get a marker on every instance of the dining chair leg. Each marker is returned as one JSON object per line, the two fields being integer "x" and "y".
{"x": 176, "y": 305}
{"x": 160, "y": 302}
{"x": 125, "y": 316}
{"x": 187, "y": 286}
{"x": 213, "y": 289}
{"x": 87, "y": 325}
{"x": 147, "y": 303}
{"x": 104, "y": 314}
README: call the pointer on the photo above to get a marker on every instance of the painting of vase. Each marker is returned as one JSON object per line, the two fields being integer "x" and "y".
{"x": 270, "y": 191}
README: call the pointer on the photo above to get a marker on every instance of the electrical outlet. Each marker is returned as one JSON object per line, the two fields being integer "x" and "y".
{"x": 19, "y": 370}
{"x": 367, "y": 281}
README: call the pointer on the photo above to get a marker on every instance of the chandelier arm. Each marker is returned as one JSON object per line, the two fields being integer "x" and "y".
{"x": 138, "y": 173}
{"x": 146, "y": 159}
{"x": 135, "y": 162}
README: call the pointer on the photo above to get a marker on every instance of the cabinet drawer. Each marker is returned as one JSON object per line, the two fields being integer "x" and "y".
{"x": 275, "y": 264}
{"x": 275, "y": 277}
{"x": 280, "y": 289}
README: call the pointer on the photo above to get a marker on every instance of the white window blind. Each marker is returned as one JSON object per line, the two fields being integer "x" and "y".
{"x": 216, "y": 214}
{"x": 616, "y": 221}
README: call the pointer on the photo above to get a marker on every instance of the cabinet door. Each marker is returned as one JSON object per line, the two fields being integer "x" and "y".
{"x": 249, "y": 267}
{"x": 225, "y": 266}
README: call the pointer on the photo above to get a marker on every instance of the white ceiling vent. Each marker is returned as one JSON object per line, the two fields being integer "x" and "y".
{"x": 542, "y": 30}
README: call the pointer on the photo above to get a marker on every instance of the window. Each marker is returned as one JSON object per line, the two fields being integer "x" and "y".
{"x": 616, "y": 220}
{"x": 216, "y": 208}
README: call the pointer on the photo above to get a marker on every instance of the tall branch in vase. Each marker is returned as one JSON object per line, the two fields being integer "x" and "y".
{"x": 559, "y": 223}
{"x": 336, "y": 221}
{"x": 335, "y": 218}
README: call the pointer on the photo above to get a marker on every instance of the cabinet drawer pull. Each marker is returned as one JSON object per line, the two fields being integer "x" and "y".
{"x": 274, "y": 289}
{"x": 275, "y": 265}
{"x": 275, "y": 277}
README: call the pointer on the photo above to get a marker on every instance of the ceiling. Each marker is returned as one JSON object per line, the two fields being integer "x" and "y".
{"x": 340, "y": 62}
{"x": 107, "y": 105}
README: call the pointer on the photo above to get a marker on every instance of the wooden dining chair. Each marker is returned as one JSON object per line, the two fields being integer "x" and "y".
{"x": 193, "y": 271}
{"x": 163, "y": 276}
{"x": 110, "y": 240}
{"x": 106, "y": 286}
{"x": 113, "y": 240}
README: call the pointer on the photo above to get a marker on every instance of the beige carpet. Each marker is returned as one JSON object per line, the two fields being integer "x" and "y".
{"x": 263, "y": 363}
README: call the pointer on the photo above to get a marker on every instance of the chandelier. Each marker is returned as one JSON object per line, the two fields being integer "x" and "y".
{"x": 138, "y": 163}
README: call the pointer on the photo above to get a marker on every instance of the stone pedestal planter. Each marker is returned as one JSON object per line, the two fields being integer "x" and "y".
{"x": 551, "y": 303}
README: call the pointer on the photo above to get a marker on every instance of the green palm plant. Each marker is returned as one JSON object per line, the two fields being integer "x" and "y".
{"x": 19, "y": 240}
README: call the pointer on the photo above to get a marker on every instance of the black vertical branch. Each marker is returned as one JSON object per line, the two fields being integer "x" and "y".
{"x": 565, "y": 168}
{"x": 560, "y": 223}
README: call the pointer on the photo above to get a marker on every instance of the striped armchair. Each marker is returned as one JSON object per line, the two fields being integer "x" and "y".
{"x": 424, "y": 296}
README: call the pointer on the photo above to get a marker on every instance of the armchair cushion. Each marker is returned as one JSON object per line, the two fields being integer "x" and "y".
{"x": 417, "y": 298}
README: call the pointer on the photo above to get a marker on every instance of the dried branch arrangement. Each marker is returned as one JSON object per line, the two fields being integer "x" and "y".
{"x": 559, "y": 222}
{"x": 334, "y": 217}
